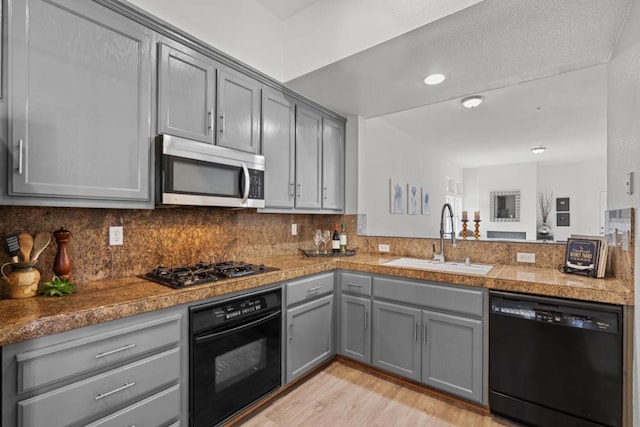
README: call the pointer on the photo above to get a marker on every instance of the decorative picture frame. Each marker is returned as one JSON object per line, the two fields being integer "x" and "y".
{"x": 563, "y": 219}
{"x": 397, "y": 199}
{"x": 426, "y": 205}
{"x": 562, "y": 204}
{"x": 414, "y": 198}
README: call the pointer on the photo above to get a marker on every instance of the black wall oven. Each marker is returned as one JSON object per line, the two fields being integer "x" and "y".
{"x": 235, "y": 355}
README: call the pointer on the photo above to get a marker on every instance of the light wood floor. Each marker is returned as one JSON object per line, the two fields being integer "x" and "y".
{"x": 342, "y": 395}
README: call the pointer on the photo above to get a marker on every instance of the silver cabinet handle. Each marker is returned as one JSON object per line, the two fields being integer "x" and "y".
{"x": 299, "y": 190}
{"x": 115, "y": 390}
{"x": 20, "y": 147}
{"x": 417, "y": 326}
{"x": 210, "y": 119}
{"x": 222, "y": 123}
{"x": 116, "y": 350}
{"x": 292, "y": 190}
{"x": 366, "y": 319}
{"x": 314, "y": 289}
{"x": 291, "y": 332}
{"x": 357, "y": 285}
{"x": 247, "y": 183}
{"x": 425, "y": 333}
{"x": 324, "y": 193}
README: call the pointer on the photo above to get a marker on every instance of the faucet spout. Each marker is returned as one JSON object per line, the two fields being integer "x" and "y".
{"x": 440, "y": 256}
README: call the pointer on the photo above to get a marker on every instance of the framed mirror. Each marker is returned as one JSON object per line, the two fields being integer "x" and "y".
{"x": 505, "y": 206}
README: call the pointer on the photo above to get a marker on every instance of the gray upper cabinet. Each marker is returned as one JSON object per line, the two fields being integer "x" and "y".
{"x": 396, "y": 339}
{"x": 452, "y": 354}
{"x": 238, "y": 111}
{"x": 186, "y": 94}
{"x": 332, "y": 164}
{"x": 308, "y": 158}
{"x": 80, "y": 104}
{"x": 278, "y": 147}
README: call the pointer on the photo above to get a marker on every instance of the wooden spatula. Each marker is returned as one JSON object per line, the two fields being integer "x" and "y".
{"x": 26, "y": 245}
{"x": 40, "y": 243}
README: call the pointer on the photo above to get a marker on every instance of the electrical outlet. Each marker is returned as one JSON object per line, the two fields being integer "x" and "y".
{"x": 115, "y": 236}
{"x": 526, "y": 257}
{"x": 383, "y": 248}
{"x": 294, "y": 229}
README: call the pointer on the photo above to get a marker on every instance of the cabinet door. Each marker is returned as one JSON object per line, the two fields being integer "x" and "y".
{"x": 80, "y": 102}
{"x": 238, "y": 112}
{"x": 355, "y": 331}
{"x": 452, "y": 354}
{"x": 308, "y": 158}
{"x": 396, "y": 339}
{"x": 309, "y": 335}
{"x": 278, "y": 148}
{"x": 186, "y": 94}
{"x": 332, "y": 165}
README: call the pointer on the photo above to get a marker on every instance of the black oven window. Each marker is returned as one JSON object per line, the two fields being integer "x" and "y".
{"x": 240, "y": 363}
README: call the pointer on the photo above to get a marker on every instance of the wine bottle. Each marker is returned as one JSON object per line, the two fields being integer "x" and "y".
{"x": 335, "y": 241}
{"x": 343, "y": 239}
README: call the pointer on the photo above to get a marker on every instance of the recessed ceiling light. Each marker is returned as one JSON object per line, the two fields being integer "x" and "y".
{"x": 539, "y": 149}
{"x": 434, "y": 79}
{"x": 472, "y": 101}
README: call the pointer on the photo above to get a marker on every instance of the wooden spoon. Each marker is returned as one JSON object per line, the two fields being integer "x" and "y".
{"x": 26, "y": 245}
{"x": 41, "y": 242}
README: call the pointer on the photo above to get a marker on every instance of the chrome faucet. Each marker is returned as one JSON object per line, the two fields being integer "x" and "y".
{"x": 440, "y": 257}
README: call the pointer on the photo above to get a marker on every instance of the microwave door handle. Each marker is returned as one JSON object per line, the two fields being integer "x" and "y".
{"x": 247, "y": 183}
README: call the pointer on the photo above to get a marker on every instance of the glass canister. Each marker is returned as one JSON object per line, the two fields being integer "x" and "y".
{"x": 22, "y": 279}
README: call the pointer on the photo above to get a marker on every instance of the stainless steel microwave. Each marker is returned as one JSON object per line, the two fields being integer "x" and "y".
{"x": 199, "y": 174}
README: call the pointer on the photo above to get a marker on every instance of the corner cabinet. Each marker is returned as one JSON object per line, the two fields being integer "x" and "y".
{"x": 304, "y": 151}
{"x": 129, "y": 371}
{"x": 79, "y": 106}
{"x": 309, "y": 324}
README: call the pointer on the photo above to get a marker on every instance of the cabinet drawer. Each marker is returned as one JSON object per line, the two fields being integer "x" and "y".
{"x": 359, "y": 284}
{"x": 48, "y": 365}
{"x": 101, "y": 392}
{"x": 309, "y": 288}
{"x": 454, "y": 298}
{"x": 159, "y": 409}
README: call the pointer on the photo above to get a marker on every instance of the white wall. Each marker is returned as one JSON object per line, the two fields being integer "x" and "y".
{"x": 623, "y": 149}
{"x": 386, "y": 153}
{"x": 480, "y": 182}
{"x": 582, "y": 182}
{"x": 241, "y": 28}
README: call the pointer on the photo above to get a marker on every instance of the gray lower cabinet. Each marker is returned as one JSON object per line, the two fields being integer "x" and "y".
{"x": 186, "y": 93}
{"x": 130, "y": 371}
{"x": 452, "y": 354}
{"x": 355, "y": 328}
{"x": 238, "y": 111}
{"x": 396, "y": 339}
{"x": 278, "y": 148}
{"x": 309, "y": 335}
{"x": 79, "y": 105}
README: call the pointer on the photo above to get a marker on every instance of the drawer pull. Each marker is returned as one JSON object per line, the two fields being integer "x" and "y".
{"x": 357, "y": 285}
{"x": 116, "y": 390}
{"x": 116, "y": 350}
{"x": 317, "y": 288}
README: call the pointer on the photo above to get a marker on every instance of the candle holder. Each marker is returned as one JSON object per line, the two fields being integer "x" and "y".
{"x": 476, "y": 232}
{"x": 464, "y": 228}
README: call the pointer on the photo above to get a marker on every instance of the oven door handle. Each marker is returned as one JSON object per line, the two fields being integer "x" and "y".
{"x": 256, "y": 322}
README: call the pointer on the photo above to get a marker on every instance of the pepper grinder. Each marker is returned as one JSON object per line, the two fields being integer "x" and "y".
{"x": 62, "y": 263}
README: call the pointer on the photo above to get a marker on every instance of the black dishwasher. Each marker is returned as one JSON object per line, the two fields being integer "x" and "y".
{"x": 555, "y": 362}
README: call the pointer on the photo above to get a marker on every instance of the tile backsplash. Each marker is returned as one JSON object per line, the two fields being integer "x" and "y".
{"x": 173, "y": 236}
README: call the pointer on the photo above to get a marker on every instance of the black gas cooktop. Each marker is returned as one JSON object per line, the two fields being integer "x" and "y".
{"x": 184, "y": 275}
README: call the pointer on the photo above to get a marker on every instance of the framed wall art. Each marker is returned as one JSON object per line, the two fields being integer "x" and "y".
{"x": 562, "y": 204}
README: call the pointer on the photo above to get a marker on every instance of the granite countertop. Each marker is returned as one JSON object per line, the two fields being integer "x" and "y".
{"x": 97, "y": 302}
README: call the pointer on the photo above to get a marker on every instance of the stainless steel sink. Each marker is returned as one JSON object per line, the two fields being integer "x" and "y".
{"x": 453, "y": 267}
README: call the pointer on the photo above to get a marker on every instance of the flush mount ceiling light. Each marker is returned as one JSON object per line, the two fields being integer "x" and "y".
{"x": 472, "y": 101}
{"x": 539, "y": 149}
{"x": 434, "y": 79}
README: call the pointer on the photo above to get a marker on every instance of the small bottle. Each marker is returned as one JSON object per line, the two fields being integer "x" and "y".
{"x": 335, "y": 240}
{"x": 343, "y": 239}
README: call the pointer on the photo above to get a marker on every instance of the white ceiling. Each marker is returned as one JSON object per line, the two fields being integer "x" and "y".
{"x": 285, "y": 9}
{"x": 491, "y": 45}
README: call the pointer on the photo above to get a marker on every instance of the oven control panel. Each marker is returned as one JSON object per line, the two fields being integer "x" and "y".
{"x": 245, "y": 307}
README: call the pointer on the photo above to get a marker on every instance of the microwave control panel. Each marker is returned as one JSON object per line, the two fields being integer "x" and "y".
{"x": 256, "y": 184}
